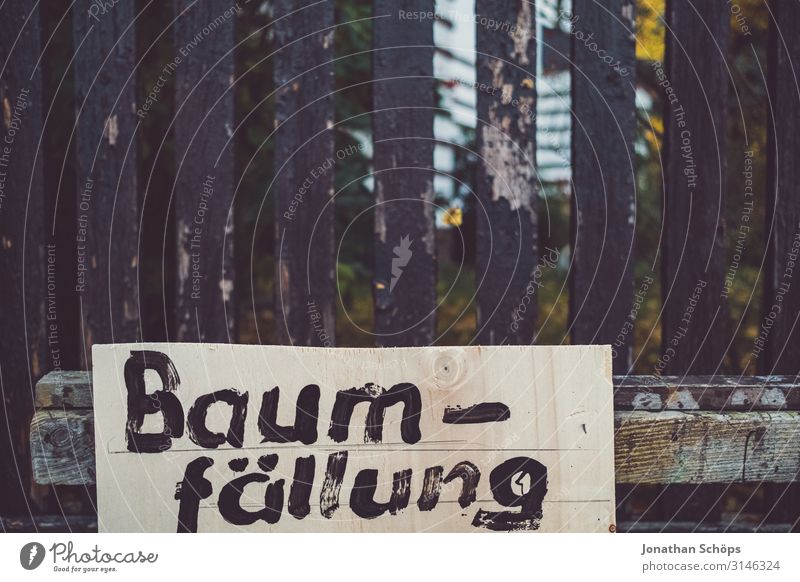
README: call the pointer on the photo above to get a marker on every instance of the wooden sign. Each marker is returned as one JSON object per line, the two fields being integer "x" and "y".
{"x": 205, "y": 437}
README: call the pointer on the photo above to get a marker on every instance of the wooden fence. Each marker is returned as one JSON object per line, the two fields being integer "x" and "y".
{"x": 713, "y": 430}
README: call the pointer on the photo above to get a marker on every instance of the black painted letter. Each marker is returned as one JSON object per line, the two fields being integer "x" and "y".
{"x": 140, "y": 403}
{"x": 530, "y": 503}
{"x": 196, "y": 419}
{"x": 305, "y": 419}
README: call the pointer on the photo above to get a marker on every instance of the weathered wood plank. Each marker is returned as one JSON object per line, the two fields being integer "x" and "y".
{"x": 507, "y": 182}
{"x": 695, "y": 81}
{"x": 694, "y": 527}
{"x": 23, "y": 263}
{"x": 404, "y": 288}
{"x": 779, "y": 329}
{"x": 64, "y": 390}
{"x": 49, "y": 524}
{"x": 304, "y": 162}
{"x": 62, "y": 447}
{"x": 204, "y": 302}
{"x": 707, "y": 447}
{"x": 603, "y": 177}
{"x": 105, "y": 167}
{"x": 653, "y": 393}
{"x": 656, "y": 448}
{"x": 720, "y": 393}
{"x": 88, "y": 524}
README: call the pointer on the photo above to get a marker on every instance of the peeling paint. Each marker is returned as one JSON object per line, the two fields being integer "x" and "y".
{"x": 496, "y": 66}
{"x": 380, "y": 214}
{"x": 774, "y": 397}
{"x": 525, "y": 28}
{"x": 682, "y": 399}
{"x": 743, "y": 397}
{"x": 506, "y": 93}
{"x": 226, "y": 286}
{"x": 647, "y": 401}
{"x": 183, "y": 256}
{"x": 6, "y": 112}
{"x": 111, "y": 130}
{"x": 429, "y": 238}
{"x": 506, "y": 165}
{"x": 285, "y": 287}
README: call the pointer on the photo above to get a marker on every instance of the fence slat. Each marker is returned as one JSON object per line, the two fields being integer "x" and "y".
{"x": 603, "y": 201}
{"x": 305, "y": 296}
{"x": 694, "y": 334}
{"x": 783, "y": 214}
{"x": 106, "y": 174}
{"x": 694, "y": 261}
{"x": 507, "y": 183}
{"x": 404, "y": 288}
{"x": 23, "y": 295}
{"x": 782, "y": 354}
{"x": 204, "y": 302}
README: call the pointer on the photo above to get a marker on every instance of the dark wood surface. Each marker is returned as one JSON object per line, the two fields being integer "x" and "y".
{"x": 105, "y": 149}
{"x": 779, "y": 333}
{"x": 305, "y": 164}
{"x": 23, "y": 257}
{"x": 783, "y": 196}
{"x": 695, "y": 332}
{"x": 404, "y": 286}
{"x": 49, "y": 524}
{"x": 507, "y": 182}
{"x": 604, "y": 191}
{"x": 204, "y": 121}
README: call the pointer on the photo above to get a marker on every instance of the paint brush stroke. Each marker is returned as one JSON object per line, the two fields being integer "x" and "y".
{"x": 477, "y": 413}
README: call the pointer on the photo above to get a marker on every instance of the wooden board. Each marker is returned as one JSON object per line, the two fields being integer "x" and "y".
{"x": 106, "y": 152}
{"x": 305, "y": 164}
{"x": 507, "y": 186}
{"x": 534, "y": 452}
{"x": 404, "y": 286}
{"x": 707, "y": 447}
{"x": 24, "y": 297}
{"x": 205, "y": 309}
{"x": 781, "y": 303}
{"x": 604, "y": 192}
{"x": 695, "y": 80}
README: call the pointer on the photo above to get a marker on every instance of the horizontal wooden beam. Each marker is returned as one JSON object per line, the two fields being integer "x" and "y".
{"x": 64, "y": 390}
{"x": 694, "y": 527}
{"x": 650, "y": 447}
{"x": 88, "y": 524}
{"x": 706, "y": 447}
{"x": 49, "y": 524}
{"x": 715, "y": 393}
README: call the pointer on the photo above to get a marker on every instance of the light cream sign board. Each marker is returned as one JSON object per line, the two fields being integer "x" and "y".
{"x": 218, "y": 438}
